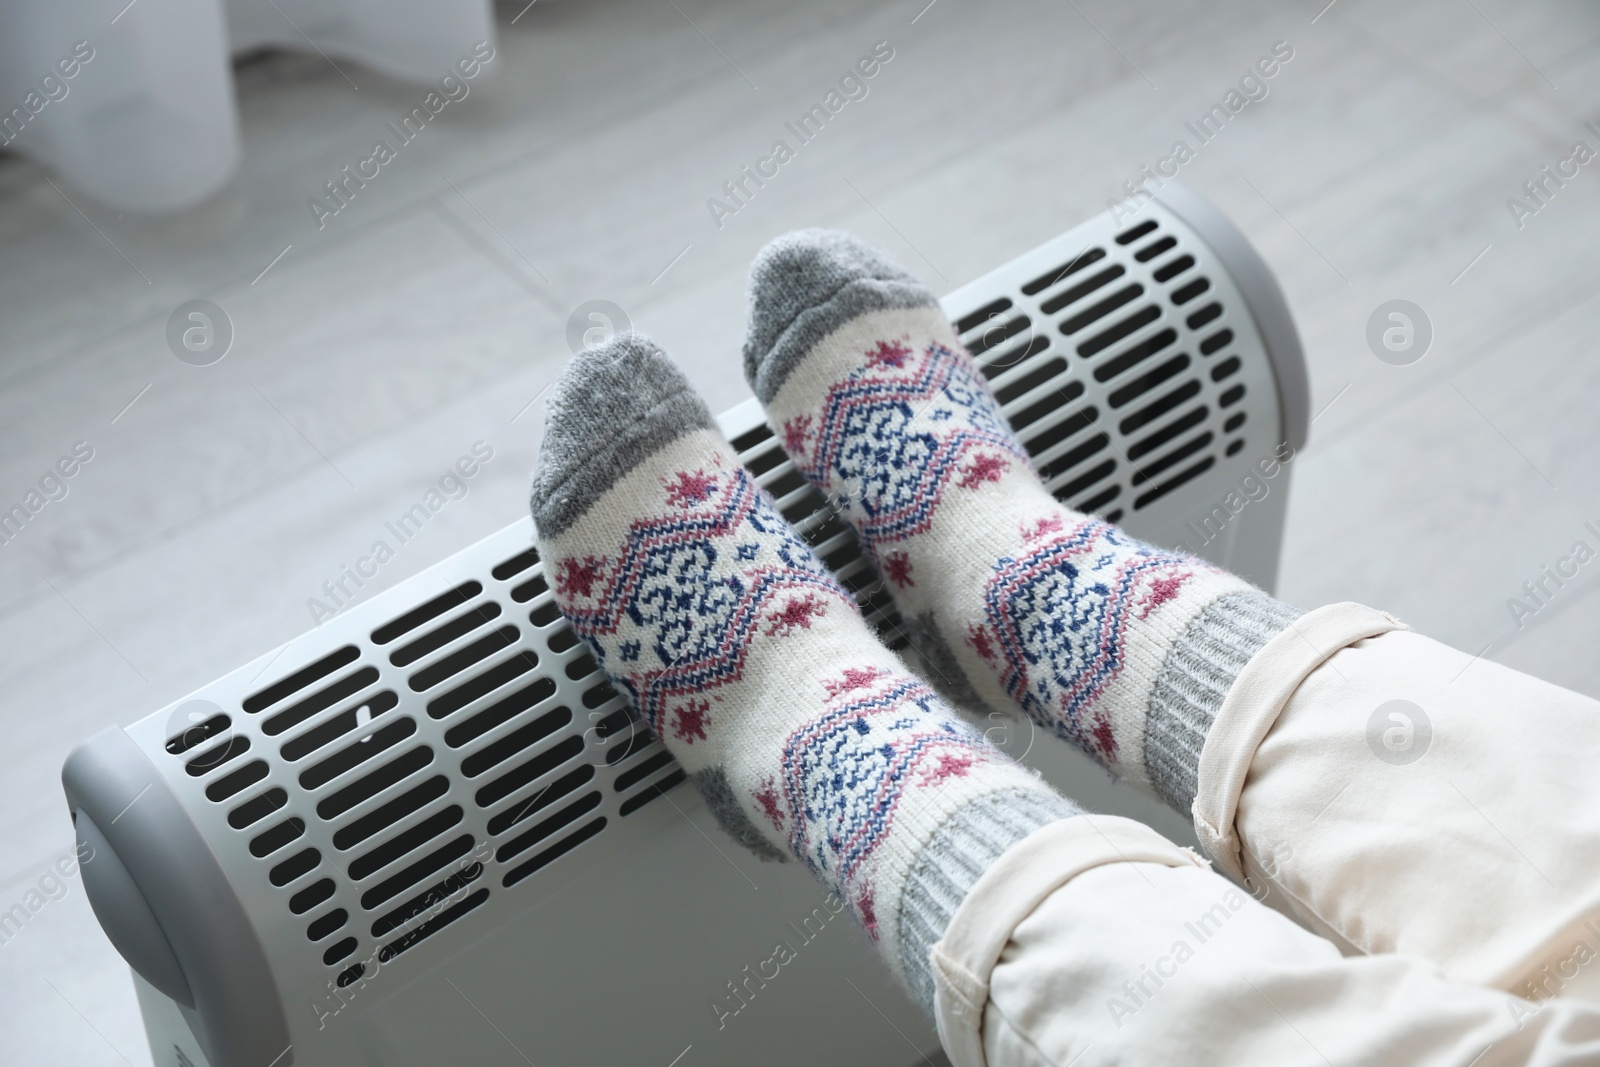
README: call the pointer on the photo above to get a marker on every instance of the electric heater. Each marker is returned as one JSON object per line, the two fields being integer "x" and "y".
{"x": 429, "y": 832}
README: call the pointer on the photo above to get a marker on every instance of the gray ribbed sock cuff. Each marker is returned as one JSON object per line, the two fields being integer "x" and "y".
{"x": 965, "y": 846}
{"x": 613, "y": 407}
{"x": 1194, "y": 679}
{"x": 806, "y": 284}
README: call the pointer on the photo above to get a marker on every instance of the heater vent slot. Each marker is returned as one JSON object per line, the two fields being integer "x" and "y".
{"x": 437, "y": 638}
{"x": 964, "y": 325}
{"x": 326, "y": 925}
{"x": 502, "y": 711}
{"x": 634, "y": 775}
{"x": 198, "y": 734}
{"x": 1216, "y": 341}
{"x": 533, "y": 587}
{"x": 257, "y": 808}
{"x": 217, "y": 755}
{"x": 1055, "y": 277}
{"x": 543, "y": 798}
{"x": 515, "y": 565}
{"x": 297, "y": 681}
{"x": 1173, "y": 268}
{"x": 432, "y": 863}
{"x": 425, "y": 613}
{"x": 311, "y": 896}
{"x": 659, "y": 788}
{"x": 295, "y": 867}
{"x": 636, "y": 742}
{"x": 482, "y": 684}
{"x": 1129, "y": 236}
{"x": 356, "y": 753}
{"x": 1077, "y": 291}
{"x": 320, "y": 701}
{"x": 381, "y": 818}
{"x": 276, "y": 837}
{"x": 529, "y": 771}
{"x": 554, "y": 852}
{"x": 547, "y": 827}
{"x": 364, "y": 789}
{"x": 563, "y": 638}
{"x": 460, "y": 660}
{"x": 491, "y": 755}
{"x": 404, "y": 843}
{"x": 340, "y": 951}
{"x": 393, "y": 920}
{"x": 1133, "y": 354}
{"x": 432, "y": 926}
{"x": 236, "y": 782}
{"x": 331, "y": 729}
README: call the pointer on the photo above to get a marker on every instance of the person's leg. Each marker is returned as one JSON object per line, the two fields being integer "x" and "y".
{"x": 1394, "y": 794}
{"x": 1485, "y": 857}
{"x": 1027, "y": 923}
{"x": 754, "y": 667}
{"x": 1120, "y": 648}
{"x": 1088, "y": 944}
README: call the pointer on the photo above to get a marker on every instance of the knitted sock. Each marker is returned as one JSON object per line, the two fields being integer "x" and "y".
{"x": 1123, "y": 649}
{"x": 755, "y": 667}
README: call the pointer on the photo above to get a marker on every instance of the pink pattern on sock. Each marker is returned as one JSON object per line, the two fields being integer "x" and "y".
{"x": 868, "y": 912}
{"x": 1163, "y": 589}
{"x": 690, "y": 721}
{"x": 796, "y": 434}
{"x": 950, "y": 765}
{"x": 888, "y": 354}
{"x": 575, "y": 577}
{"x": 796, "y": 613}
{"x": 985, "y": 467}
{"x": 771, "y": 806}
{"x": 852, "y": 679}
{"x": 981, "y": 641}
{"x": 897, "y": 568}
{"x": 1034, "y": 531}
{"x": 1103, "y": 741}
{"x": 690, "y": 488}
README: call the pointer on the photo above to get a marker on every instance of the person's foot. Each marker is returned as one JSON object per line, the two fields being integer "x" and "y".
{"x": 754, "y": 666}
{"x": 1123, "y": 649}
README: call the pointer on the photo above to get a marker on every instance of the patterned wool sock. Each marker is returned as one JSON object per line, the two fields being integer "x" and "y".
{"x": 1123, "y": 649}
{"x": 755, "y": 667}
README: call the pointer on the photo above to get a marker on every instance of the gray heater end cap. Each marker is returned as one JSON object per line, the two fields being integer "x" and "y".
{"x": 167, "y": 905}
{"x": 1265, "y": 299}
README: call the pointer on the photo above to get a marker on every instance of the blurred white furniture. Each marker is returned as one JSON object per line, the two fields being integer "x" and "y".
{"x": 147, "y": 122}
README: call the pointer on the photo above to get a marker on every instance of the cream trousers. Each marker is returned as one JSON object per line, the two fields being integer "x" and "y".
{"x": 1430, "y": 823}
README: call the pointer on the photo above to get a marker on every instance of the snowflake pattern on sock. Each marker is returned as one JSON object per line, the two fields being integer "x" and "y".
{"x": 896, "y": 433}
{"x": 669, "y": 588}
{"x": 908, "y": 429}
{"x": 1059, "y": 617}
{"x": 847, "y": 770}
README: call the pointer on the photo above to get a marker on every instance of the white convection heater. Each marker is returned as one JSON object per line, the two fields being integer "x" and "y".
{"x": 429, "y": 832}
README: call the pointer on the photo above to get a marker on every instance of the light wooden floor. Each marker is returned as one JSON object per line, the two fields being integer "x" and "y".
{"x": 429, "y": 313}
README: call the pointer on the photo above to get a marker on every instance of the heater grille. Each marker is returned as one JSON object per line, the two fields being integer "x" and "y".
{"x": 1116, "y": 368}
{"x": 478, "y": 700}
{"x": 450, "y": 743}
